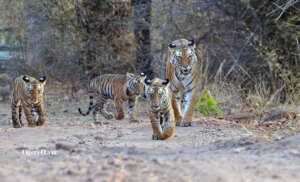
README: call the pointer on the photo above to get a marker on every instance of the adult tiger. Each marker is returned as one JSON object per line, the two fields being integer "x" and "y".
{"x": 183, "y": 72}
{"x": 27, "y": 93}
{"x": 118, "y": 87}
{"x": 160, "y": 110}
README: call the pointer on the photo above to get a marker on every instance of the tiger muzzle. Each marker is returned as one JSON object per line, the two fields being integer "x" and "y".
{"x": 185, "y": 71}
{"x": 155, "y": 106}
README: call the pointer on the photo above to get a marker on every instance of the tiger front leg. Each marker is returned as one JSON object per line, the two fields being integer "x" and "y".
{"x": 169, "y": 126}
{"x": 27, "y": 111}
{"x": 96, "y": 116}
{"x": 176, "y": 104}
{"x": 120, "y": 112}
{"x": 132, "y": 106}
{"x": 156, "y": 127}
{"x": 42, "y": 115}
{"x": 15, "y": 114}
{"x": 100, "y": 108}
{"x": 190, "y": 100}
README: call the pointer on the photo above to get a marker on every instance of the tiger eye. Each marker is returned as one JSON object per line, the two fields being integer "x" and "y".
{"x": 178, "y": 53}
{"x": 160, "y": 91}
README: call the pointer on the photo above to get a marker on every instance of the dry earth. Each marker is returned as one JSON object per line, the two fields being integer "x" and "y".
{"x": 71, "y": 148}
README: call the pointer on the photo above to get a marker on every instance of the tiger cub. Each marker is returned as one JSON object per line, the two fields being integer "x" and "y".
{"x": 160, "y": 110}
{"x": 183, "y": 72}
{"x": 27, "y": 93}
{"x": 119, "y": 88}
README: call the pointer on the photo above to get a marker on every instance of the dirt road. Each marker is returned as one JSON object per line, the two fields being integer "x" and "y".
{"x": 70, "y": 148}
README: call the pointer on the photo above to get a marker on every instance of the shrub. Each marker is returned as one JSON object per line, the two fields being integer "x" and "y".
{"x": 207, "y": 105}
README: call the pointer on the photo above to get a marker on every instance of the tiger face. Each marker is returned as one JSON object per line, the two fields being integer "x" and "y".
{"x": 157, "y": 93}
{"x": 135, "y": 83}
{"x": 34, "y": 89}
{"x": 183, "y": 56}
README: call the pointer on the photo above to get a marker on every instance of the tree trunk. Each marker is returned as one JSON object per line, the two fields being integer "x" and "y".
{"x": 142, "y": 22}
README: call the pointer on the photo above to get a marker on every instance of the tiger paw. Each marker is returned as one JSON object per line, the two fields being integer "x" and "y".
{"x": 31, "y": 125}
{"x": 98, "y": 123}
{"x": 17, "y": 125}
{"x": 120, "y": 116}
{"x": 134, "y": 121}
{"x": 109, "y": 116}
{"x": 156, "y": 137}
{"x": 187, "y": 124}
{"x": 39, "y": 123}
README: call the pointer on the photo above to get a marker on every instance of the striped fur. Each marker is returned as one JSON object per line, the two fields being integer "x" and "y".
{"x": 119, "y": 88}
{"x": 183, "y": 72}
{"x": 160, "y": 110}
{"x": 27, "y": 94}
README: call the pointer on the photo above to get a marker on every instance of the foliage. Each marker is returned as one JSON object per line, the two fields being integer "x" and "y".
{"x": 245, "y": 43}
{"x": 4, "y": 79}
{"x": 207, "y": 105}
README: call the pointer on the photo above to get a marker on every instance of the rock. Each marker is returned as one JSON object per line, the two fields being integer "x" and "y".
{"x": 72, "y": 172}
{"x": 81, "y": 142}
{"x": 22, "y": 148}
{"x": 274, "y": 114}
{"x": 99, "y": 138}
{"x": 240, "y": 117}
{"x": 60, "y": 146}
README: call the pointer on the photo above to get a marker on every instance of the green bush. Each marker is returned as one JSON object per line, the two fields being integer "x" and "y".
{"x": 207, "y": 105}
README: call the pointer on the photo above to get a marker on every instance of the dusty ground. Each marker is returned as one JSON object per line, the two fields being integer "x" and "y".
{"x": 70, "y": 148}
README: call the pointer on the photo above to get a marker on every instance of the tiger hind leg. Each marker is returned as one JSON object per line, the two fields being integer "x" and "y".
{"x": 99, "y": 108}
{"x": 107, "y": 115}
{"x": 120, "y": 112}
{"x": 96, "y": 115}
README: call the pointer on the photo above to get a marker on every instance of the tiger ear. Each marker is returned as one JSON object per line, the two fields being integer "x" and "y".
{"x": 191, "y": 43}
{"x": 129, "y": 75}
{"x": 172, "y": 46}
{"x": 165, "y": 82}
{"x": 25, "y": 78}
{"x": 148, "y": 81}
{"x": 42, "y": 79}
{"x": 143, "y": 75}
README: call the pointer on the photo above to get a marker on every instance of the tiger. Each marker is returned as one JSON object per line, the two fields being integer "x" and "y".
{"x": 27, "y": 93}
{"x": 182, "y": 69}
{"x": 119, "y": 88}
{"x": 160, "y": 110}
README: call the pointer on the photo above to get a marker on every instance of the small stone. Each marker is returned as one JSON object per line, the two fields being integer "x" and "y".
{"x": 22, "y": 148}
{"x": 60, "y": 146}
